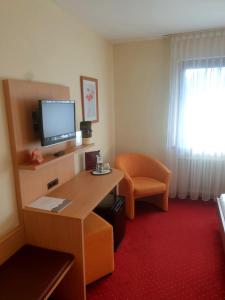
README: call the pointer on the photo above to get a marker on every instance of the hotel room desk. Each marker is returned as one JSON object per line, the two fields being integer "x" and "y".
{"x": 64, "y": 230}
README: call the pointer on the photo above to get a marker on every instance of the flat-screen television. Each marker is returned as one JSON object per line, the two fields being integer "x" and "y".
{"x": 57, "y": 121}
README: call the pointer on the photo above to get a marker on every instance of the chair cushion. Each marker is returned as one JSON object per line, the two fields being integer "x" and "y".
{"x": 146, "y": 186}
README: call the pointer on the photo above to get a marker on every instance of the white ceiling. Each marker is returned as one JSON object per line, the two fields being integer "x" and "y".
{"x": 122, "y": 20}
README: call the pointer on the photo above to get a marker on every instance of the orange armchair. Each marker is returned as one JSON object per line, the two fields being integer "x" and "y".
{"x": 144, "y": 176}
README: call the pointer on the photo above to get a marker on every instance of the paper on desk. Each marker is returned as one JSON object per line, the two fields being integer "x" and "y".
{"x": 50, "y": 203}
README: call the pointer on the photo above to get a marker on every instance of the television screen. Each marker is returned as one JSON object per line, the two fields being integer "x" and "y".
{"x": 57, "y": 121}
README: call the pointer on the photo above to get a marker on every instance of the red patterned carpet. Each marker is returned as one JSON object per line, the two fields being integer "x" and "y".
{"x": 174, "y": 255}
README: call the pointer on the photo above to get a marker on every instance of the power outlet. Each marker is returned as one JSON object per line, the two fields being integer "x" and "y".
{"x": 53, "y": 183}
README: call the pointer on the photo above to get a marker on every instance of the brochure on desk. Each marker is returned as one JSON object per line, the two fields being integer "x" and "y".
{"x": 50, "y": 204}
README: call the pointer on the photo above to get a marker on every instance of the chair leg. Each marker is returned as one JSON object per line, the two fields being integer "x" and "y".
{"x": 161, "y": 202}
{"x": 165, "y": 201}
{"x": 129, "y": 199}
{"x": 130, "y": 207}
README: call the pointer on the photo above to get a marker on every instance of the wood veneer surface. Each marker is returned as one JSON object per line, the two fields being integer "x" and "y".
{"x": 21, "y": 100}
{"x": 11, "y": 243}
{"x": 86, "y": 191}
{"x": 60, "y": 233}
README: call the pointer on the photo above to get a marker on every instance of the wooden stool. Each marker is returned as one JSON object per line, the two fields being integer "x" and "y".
{"x": 99, "y": 256}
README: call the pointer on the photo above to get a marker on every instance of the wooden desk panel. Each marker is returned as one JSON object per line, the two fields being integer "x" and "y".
{"x": 64, "y": 234}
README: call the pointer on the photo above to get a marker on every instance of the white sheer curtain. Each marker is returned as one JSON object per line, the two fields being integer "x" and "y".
{"x": 196, "y": 125}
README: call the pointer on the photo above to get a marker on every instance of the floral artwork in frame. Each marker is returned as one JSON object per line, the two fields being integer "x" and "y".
{"x": 89, "y": 96}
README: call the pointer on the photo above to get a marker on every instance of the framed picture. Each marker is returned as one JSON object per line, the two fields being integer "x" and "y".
{"x": 89, "y": 96}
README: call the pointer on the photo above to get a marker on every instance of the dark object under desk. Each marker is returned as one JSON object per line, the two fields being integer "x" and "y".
{"x": 112, "y": 209}
{"x": 32, "y": 272}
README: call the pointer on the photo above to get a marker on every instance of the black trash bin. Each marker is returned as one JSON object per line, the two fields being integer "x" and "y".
{"x": 112, "y": 209}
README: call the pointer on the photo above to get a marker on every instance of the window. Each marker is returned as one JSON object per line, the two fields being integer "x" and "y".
{"x": 196, "y": 119}
{"x": 202, "y": 118}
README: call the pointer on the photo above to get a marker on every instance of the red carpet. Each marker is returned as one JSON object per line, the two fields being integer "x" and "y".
{"x": 174, "y": 255}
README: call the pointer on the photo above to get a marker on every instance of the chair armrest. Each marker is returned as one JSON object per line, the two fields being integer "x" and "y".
{"x": 129, "y": 181}
{"x": 126, "y": 181}
{"x": 158, "y": 170}
{"x": 126, "y": 186}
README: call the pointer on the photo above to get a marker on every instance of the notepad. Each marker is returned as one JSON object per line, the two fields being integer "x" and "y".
{"x": 50, "y": 203}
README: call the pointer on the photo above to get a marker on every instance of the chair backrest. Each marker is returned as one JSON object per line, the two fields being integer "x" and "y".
{"x": 135, "y": 164}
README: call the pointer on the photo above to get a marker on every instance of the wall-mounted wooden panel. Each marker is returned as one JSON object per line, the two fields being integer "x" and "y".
{"x": 33, "y": 184}
{"x": 21, "y": 100}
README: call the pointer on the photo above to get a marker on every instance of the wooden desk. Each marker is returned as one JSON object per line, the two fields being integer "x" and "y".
{"x": 64, "y": 230}
{"x": 58, "y": 231}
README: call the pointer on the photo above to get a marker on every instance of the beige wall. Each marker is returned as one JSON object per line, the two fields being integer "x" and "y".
{"x": 41, "y": 42}
{"x": 141, "y": 71}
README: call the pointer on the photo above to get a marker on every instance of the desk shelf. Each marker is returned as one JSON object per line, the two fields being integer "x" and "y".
{"x": 50, "y": 159}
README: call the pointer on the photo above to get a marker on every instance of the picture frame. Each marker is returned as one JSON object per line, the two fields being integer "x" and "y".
{"x": 89, "y": 97}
